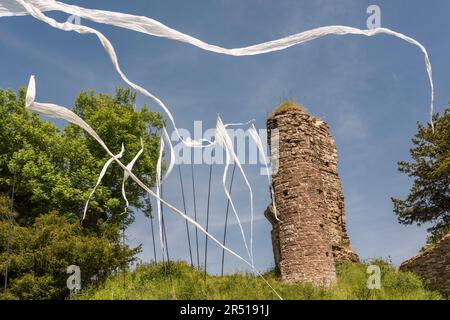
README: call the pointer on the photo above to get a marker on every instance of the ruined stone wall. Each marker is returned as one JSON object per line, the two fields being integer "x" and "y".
{"x": 433, "y": 266}
{"x": 308, "y": 195}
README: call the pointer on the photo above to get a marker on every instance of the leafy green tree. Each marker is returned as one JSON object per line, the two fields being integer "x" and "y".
{"x": 56, "y": 169}
{"x": 429, "y": 198}
{"x": 40, "y": 254}
{"x": 53, "y": 171}
{"x": 116, "y": 121}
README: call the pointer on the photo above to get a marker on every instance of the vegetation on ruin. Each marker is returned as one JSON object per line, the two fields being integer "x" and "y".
{"x": 180, "y": 281}
{"x": 287, "y": 105}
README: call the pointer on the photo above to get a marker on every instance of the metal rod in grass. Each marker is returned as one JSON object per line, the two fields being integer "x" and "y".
{"x": 153, "y": 232}
{"x": 151, "y": 220}
{"x": 207, "y": 220}
{"x": 195, "y": 210}
{"x": 124, "y": 263}
{"x": 166, "y": 244}
{"x": 226, "y": 217}
{"x": 8, "y": 242}
{"x": 153, "y": 237}
{"x": 185, "y": 212}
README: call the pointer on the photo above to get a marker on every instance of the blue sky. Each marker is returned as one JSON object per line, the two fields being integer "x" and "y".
{"x": 371, "y": 92}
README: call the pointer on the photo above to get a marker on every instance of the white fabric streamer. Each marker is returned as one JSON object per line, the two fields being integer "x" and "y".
{"x": 224, "y": 140}
{"x": 64, "y": 113}
{"x": 160, "y": 180}
{"x": 67, "y": 26}
{"x": 166, "y": 137}
{"x": 126, "y": 175}
{"x": 158, "y": 193}
{"x": 99, "y": 180}
{"x": 155, "y": 28}
{"x": 239, "y": 124}
{"x": 257, "y": 139}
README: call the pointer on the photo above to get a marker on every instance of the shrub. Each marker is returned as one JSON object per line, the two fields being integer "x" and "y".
{"x": 40, "y": 254}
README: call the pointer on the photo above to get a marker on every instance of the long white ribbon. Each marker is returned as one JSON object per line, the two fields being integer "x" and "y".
{"x": 126, "y": 175}
{"x": 165, "y": 136}
{"x": 158, "y": 193}
{"x": 100, "y": 178}
{"x": 155, "y": 28}
{"x": 257, "y": 139}
{"x": 224, "y": 140}
{"x": 59, "y": 112}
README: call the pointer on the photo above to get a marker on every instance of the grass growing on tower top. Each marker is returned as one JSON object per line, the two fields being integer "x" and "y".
{"x": 287, "y": 105}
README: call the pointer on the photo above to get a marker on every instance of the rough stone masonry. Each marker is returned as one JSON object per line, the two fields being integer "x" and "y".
{"x": 433, "y": 265}
{"x": 311, "y": 237}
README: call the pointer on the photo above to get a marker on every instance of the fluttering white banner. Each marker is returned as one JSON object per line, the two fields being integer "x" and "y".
{"x": 36, "y": 8}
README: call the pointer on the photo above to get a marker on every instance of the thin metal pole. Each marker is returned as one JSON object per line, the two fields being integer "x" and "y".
{"x": 153, "y": 231}
{"x": 195, "y": 210}
{"x": 166, "y": 246}
{"x": 226, "y": 217}
{"x": 207, "y": 219}
{"x": 185, "y": 212}
{"x": 153, "y": 237}
{"x": 124, "y": 264}
{"x": 11, "y": 208}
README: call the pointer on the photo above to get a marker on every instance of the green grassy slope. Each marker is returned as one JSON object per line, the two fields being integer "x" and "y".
{"x": 180, "y": 281}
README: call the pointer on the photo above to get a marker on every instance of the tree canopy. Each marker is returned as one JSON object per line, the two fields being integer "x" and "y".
{"x": 40, "y": 254}
{"x": 54, "y": 170}
{"x": 429, "y": 197}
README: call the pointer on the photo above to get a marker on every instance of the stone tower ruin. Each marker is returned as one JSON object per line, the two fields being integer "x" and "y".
{"x": 311, "y": 236}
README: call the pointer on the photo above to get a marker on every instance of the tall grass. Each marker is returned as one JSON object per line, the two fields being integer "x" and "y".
{"x": 178, "y": 280}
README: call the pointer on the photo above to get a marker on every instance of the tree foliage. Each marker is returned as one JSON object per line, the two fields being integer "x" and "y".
{"x": 429, "y": 197}
{"x": 117, "y": 122}
{"x": 40, "y": 254}
{"x": 55, "y": 170}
